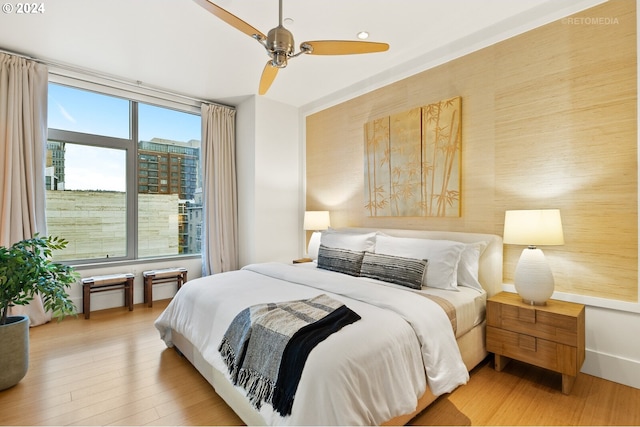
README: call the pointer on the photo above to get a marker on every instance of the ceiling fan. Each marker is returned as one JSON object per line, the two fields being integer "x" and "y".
{"x": 280, "y": 46}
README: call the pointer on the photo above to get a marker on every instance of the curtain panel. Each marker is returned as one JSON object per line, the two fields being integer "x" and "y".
{"x": 23, "y": 139}
{"x": 220, "y": 222}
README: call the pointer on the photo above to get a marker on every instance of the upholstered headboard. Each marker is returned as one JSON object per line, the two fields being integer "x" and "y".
{"x": 490, "y": 264}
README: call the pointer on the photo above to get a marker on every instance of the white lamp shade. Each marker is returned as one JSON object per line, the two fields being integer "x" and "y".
{"x": 533, "y": 227}
{"x": 316, "y": 220}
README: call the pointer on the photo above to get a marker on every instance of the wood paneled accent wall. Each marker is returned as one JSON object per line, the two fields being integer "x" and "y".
{"x": 550, "y": 121}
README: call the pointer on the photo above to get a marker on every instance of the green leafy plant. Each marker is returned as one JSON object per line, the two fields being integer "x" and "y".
{"x": 26, "y": 269}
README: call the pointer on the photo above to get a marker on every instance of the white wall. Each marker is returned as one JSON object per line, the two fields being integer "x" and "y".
{"x": 613, "y": 347}
{"x": 246, "y": 177}
{"x": 268, "y": 148}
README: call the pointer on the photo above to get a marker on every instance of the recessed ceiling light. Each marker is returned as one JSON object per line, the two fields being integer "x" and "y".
{"x": 288, "y": 21}
{"x": 363, "y": 35}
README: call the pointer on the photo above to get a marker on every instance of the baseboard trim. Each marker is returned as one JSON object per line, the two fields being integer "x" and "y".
{"x": 613, "y": 368}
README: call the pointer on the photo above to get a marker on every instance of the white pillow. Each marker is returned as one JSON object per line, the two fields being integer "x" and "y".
{"x": 469, "y": 264}
{"x": 443, "y": 257}
{"x": 352, "y": 241}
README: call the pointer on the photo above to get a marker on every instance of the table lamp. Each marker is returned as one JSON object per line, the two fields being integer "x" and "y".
{"x": 533, "y": 278}
{"x": 316, "y": 221}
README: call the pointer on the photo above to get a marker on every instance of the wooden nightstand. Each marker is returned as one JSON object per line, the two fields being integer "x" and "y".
{"x": 549, "y": 336}
{"x": 302, "y": 260}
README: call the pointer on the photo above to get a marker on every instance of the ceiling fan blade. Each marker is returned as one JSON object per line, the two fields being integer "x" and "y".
{"x": 230, "y": 18}
{"x": 343, "y": 47}
{"x": 268, "y": 76}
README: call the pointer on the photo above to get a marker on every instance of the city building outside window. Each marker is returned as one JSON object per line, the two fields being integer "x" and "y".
{"x": 123, "y": 177}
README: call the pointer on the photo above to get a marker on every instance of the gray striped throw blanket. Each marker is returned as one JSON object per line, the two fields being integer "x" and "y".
{"x": 266, "y": 345}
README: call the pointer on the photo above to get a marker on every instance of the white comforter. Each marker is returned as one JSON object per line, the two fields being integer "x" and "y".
{"x": 365, "y": 374}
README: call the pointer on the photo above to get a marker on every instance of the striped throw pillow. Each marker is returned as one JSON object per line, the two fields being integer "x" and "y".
{"x": 402, "y": 271}
{"x": 340, "y": 260}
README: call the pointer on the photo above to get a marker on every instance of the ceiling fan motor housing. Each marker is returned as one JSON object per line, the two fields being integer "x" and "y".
{"x": 280, "y": 44}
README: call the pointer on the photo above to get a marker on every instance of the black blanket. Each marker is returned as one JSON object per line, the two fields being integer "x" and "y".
{"x": 297, "y": 351}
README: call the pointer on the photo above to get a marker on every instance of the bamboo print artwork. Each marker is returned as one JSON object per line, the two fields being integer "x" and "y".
{"x": 378, "y": 179}
{"x": 412, "y": 162}
{"x": 405, "y": 164}
{"x": 441, "y": 144}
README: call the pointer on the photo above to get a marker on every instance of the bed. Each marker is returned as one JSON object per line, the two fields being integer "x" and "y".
{"x": 418, "y": 333}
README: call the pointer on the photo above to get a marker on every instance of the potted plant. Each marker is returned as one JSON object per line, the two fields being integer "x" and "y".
{"x": 26, "y": 270}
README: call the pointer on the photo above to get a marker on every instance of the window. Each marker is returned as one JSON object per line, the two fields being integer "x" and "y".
{"x": 109, "y": 192}
{"x": 88, "y": 112}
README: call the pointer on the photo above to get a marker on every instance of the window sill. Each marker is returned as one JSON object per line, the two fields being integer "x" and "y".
{"x": 128, "y": 262}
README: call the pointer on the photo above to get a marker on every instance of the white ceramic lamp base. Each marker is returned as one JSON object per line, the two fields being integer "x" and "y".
{"x": 533, "y": 278}
{"x": 314, "y": 244}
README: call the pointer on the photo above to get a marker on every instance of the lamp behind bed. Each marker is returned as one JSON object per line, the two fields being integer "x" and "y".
{"x": 316, "y": 221}
{"x": 533, "y": 278}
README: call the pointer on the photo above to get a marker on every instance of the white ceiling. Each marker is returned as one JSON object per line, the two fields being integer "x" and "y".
{"x": 178, "y": 46}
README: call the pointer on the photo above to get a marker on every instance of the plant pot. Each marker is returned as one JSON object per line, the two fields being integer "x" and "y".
{"x": 14, "y": 350}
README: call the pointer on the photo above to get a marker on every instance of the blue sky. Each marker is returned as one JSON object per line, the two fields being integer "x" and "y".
{"x": 89, "y": 112}
{"x": 90, "y": 168}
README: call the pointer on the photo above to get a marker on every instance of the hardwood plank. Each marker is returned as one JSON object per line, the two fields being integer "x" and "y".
{"x": 114, "y": 370}
{"x": 523, "y": 394}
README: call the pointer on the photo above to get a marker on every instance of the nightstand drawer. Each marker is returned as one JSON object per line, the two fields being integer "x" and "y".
{"x": 530, "y": 349}
{"x": 533, "y": 321}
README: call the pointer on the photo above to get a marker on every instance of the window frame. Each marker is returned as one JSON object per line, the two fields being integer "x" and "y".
{"x": 130, "y": 146}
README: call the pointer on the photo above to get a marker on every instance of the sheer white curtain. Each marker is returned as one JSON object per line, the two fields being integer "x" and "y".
{"x": 23, "y": 139}
{"x": 219, "y": 190}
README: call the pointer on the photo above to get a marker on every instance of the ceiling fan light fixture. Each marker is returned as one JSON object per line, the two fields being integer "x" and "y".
{"x": 363, "y": 35}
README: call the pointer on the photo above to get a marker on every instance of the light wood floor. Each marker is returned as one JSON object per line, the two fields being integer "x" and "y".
{"x": 114, "y": 370}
